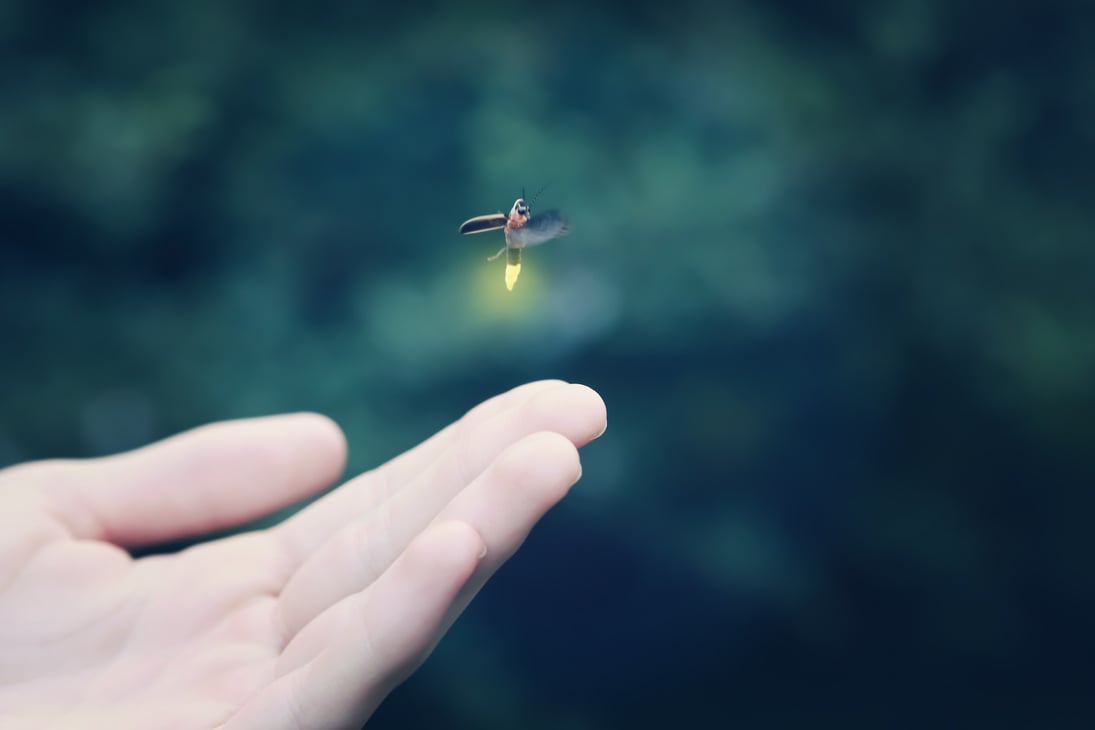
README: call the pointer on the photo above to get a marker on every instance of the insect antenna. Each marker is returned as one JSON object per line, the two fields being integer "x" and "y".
{"x": 536, "y": 194}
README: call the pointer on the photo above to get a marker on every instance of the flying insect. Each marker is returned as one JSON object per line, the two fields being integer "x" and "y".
{"x": 522, "y": 229}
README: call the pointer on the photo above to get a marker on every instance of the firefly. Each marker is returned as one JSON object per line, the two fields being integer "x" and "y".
{"x": 522, "y": 229}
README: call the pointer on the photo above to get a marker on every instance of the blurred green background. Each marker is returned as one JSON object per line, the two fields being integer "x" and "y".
{"x": 831, "y": 269}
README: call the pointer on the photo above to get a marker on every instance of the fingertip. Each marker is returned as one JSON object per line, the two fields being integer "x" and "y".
{"x": 598, "y": 409}
{"x": 546, "y": 463}
{"x": 211, "y": 477}
{"x": 447, "y": 553}
{"x": 453, "y": 544}
{"x": 326, "y": 437}
{"x": 575, "y": 411}
{"x": 562, "y": 454}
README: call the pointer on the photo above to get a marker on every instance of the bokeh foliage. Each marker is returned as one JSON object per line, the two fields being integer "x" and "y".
{"x": 831, "y": 269}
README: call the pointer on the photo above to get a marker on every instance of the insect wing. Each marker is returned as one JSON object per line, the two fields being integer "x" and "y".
{"x": 481, "y": 223}
{"x": 540, "y": 228}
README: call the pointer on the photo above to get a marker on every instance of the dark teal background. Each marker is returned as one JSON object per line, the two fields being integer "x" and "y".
{"x": 831, "y": 269}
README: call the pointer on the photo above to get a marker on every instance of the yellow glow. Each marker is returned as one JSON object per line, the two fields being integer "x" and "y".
{"x": 494, "y": 304}
{"x": 512, "y": 272}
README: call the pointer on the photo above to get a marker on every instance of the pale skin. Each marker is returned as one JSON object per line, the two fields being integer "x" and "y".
{"x": 304, "y": 626}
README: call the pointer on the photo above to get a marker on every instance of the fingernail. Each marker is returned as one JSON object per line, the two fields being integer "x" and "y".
{"x": 482, "y": 551}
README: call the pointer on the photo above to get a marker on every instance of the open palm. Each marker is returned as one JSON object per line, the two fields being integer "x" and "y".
{"x": 306, "y": 625}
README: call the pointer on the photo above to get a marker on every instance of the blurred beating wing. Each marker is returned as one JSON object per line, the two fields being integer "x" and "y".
{"x": 481, "y": 223}
{"x": 540, "y": 228}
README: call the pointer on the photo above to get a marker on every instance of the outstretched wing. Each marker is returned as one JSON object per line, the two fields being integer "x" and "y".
{"x": 540, "y": 228}
{"x": 481, "y": 223}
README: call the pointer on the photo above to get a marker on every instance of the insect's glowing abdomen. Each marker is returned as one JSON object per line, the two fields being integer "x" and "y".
{"x": 512, "y": 272}
{"x": 513, "y": 267}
